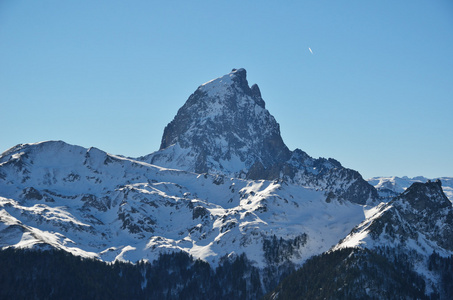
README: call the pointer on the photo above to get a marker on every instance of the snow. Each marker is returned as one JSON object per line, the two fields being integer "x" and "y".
{"x": 94, "y": 204}
{"x": 360, "y": 236}
{"x": 354, "y": 241}
{"x": 158, "y": 201}
{"x": 112, "y": 208}
{"x": 97, "y": 205}
{"x": 218, "y": 86}
{"x": 120, "y": 257}
{"x": 202, "y": 252}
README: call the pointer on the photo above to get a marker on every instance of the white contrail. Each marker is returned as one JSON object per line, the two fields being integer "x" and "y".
{"x": 310, "y": 50}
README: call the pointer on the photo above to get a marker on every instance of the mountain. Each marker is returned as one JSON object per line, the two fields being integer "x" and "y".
{"x": 388, "y": 187}
{"x": 224, "y": 128}
{"x": 421, "y": 219}
{"x": 110, "y": 207}
{"x": 223, "y": 205}
{"x": 414, "y": 225}
{"x": 96, "y": 205}
{"x": 404, "y": 249}
{"x": 353, "y": 273}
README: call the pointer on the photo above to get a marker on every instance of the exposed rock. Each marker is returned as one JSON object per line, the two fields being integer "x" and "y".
{"x": 199, "y": 212}
{"x": 422, "y": 214}
{"x": 224, "y": 128}
{"x": 32, "y": 193}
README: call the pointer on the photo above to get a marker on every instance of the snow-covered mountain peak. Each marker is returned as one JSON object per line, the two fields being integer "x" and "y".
{"x": 420, "y": 219}
{"x": 236, "y": 80}
{"x": 95, "y": 204}
{"x": 389, "y": 187}
{"x": 223, "y": 184}
{"x": 426, "y": 197}
{"x": 45, "y": 146}
{"x": 224, "y": 85}
{"x": 223, "y": 128}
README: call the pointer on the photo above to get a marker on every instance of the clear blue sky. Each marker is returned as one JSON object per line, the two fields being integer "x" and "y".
{"x": 376, "y": 94}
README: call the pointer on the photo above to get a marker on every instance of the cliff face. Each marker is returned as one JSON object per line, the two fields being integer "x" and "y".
{"x": 224, "y": 128}
{"x": 225, "y": 189}
{"x": 421, "y": 219}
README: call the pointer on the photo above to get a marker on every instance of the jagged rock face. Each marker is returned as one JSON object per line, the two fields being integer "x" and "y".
{"x": 95, "y": 204}
{"x": 426, "y": 205}
{"x": 223, "y": 127}
{"x": 421, "y": 218}
{"x": 389, "y": 187}
{"x": 426, "y": 198}
{"x": 330, "y": 176}
{"x": 410, "y": 228}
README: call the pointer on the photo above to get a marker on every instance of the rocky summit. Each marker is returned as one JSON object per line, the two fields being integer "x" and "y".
{"x": 223, "y": 210}
{"x": 224, "y": 128}
{"x": 421, "y": 218}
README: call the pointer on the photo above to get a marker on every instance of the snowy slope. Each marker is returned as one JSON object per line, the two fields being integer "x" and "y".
{"x": 224, "y": 128}
{"x": 420, "y": 218}
{"x": 94, "y": 204}
{"x": 222, "y": 184}
{"x": 415, "y": 224}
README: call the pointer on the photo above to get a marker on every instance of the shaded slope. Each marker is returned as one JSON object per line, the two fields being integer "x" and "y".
{"x": 224, "y": 128}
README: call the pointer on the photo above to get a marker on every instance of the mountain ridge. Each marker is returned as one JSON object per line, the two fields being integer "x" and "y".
{"x": 224, "y": 125}
{"x": 388, "y": 187}
{"x": 222, "y": 188}
{"x": 224, "y": 128}
{"x": 105, "y": 198}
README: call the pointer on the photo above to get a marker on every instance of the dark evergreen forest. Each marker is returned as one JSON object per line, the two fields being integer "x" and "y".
{"x": 26, "y": 274}
{"x": 385, "y": 273}
{"x": 382, "y": 273}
